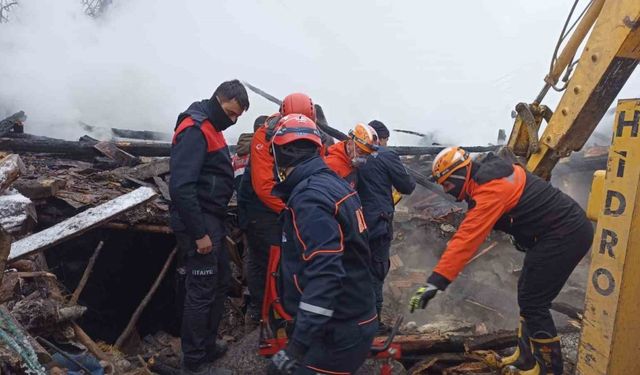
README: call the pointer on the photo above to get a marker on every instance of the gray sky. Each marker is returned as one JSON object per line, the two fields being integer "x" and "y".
{"x": 453, "y": 67}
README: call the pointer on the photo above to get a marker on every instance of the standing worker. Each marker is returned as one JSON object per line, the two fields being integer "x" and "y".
{"x": 546, "y": 223}
{"x": 262, "y": 207}
{"x": 200, "y": 187}
{"x": 325, "y": 264}
{"x": 377, "y": 178}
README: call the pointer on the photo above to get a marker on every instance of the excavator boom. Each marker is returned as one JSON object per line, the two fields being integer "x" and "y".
{"x": 609, "y": 58}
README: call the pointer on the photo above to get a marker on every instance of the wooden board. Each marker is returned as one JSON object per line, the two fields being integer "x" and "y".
{"x": 80, "y": 223}
{"x": 110, "y": 150}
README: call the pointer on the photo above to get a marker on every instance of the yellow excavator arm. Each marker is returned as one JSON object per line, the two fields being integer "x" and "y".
{"x": 609, "y": 57}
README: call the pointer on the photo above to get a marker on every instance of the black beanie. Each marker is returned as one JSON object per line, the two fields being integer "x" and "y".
{"x": 380, "y": 128}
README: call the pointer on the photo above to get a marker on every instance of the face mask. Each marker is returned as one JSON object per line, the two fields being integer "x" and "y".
{"x": 356, "y": 160}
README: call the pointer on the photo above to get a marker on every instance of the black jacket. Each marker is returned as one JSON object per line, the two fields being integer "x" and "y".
{"x": 201, "y": 172}
{"x": 325, "y": 253}
{"x": 543, "y": 211}
{"x": 382, "y": 171}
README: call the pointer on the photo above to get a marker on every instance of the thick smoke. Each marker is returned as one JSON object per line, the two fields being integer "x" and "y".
{"x": 414, "y": 65}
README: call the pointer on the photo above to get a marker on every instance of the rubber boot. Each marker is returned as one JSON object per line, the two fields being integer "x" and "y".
{"x": 549, "y": 353}
{"x": 522, "y": 361}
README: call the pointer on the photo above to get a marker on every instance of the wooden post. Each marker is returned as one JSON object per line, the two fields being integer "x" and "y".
{"x": 85, "y": 276}
{"x": 136, "y": 314}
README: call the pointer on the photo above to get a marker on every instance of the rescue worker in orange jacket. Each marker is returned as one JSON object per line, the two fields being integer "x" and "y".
{"x": 344, "y": 157}
{"x": 261, "y": 206}
{"x": 546, "y": 223}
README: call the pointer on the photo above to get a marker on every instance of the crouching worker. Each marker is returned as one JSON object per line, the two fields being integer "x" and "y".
{"x": 325, "y": 264}
{"x": 546, "y": 223}
{"x": 201, "y": 186}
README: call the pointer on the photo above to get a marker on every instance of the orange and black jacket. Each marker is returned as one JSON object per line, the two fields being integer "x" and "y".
{"x": 255, "y": 197}
{"x": 504, "y": 196}
{"x": 337, "y": 158}
{"x": 325, "y": 253}
{"x": 201, "y": 172}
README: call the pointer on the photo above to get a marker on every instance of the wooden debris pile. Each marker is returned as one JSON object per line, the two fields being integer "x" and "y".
{"x": 61, "y": 199}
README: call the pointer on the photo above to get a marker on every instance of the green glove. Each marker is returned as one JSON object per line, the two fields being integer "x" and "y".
{"x": 422, "y": 296}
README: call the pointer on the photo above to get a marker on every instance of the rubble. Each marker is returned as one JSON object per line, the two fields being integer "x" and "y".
{"x": 79, "y": 193}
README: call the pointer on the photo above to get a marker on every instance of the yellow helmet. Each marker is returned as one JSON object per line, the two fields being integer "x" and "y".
{"x": 448, "y": 161}
{"x": 365, "y": 137}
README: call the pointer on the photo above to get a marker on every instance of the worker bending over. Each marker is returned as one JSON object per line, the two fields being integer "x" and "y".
{"x": 377, "y": 178}
{"x": 546, "y": 223}
{"x": 200, "y": 187}
{"x": 325, "y": 264}
{"x": 346, "y": 156}
{"x": 261, "y": 206}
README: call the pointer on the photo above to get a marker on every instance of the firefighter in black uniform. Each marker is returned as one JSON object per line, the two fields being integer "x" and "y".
{"x": 325, "y": 264}
{"x": 200, "y": 187}
{"x": 377, "y": 178}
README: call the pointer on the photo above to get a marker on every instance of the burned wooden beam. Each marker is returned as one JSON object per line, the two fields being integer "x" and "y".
{"x": 11, "y": 167}
{"x": 434, "y": 150}
{"x": 39, "y": 189}
{"x": 155, "y": 167}
{"x": 121, "y": 157}
{"x": 492, "y": 341}
{"x": 147, "y": 135}
{"x": 78, "y": 150}
{"x": 80, "y": 223}
{"x": 163, "y": 229}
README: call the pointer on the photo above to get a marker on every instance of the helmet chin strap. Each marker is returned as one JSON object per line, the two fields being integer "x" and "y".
{"x": 461, "y": 179}
{"x": 280, "y": 172}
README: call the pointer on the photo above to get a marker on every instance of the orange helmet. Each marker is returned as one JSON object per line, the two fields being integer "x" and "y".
{"x": 298, "y": 103}
{"x": 448, "y": 161}
{"x": 365, "y": 137}
{"x": 296, "y": 127}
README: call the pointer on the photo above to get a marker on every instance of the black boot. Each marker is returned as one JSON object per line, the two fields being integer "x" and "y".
{"x": 217, "y": 351}
{"x": 522, "y": 360}
{"x": 383, "y": 329}
{"x": 548, "y": 352}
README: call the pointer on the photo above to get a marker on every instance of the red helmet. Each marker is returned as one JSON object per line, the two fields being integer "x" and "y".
{"x": 295, "y": 127}
{"x": 298, "y": 103}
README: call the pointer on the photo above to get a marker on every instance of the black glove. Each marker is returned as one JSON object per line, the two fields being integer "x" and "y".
{"x": 422, "y": 296}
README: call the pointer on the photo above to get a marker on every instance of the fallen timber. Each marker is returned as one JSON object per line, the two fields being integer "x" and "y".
{"x": 85, "y": 150}
{"x": 80, "y": 223}
{"x": 147, "y": 135}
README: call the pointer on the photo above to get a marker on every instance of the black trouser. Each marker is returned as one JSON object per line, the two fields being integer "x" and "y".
{"x": 547, "y": 266}
{"x": 207, "y": 279}
{"x": 379, "y": 265}
{"x": 341, "y": 349}
{"x": 263, "y": 231}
